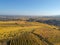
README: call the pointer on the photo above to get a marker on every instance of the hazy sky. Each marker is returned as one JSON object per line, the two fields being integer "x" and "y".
{"x": 30, "y": 7}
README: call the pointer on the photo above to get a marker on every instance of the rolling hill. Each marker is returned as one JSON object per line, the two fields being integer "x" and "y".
{"x": 28, "y": 33}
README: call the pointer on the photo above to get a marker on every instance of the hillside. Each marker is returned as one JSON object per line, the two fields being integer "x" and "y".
{"x": 26, "y": 33}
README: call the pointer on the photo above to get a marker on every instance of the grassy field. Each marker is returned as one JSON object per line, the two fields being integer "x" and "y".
{"x": 29, "y": 33}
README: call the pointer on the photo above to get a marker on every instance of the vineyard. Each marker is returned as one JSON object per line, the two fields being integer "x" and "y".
{"x": 28, "y": 33}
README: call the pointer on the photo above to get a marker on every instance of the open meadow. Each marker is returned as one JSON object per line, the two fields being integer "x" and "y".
{"x": 28, "y": 33}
